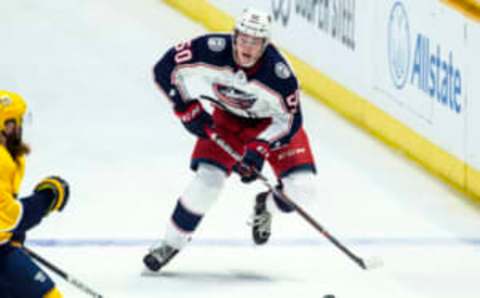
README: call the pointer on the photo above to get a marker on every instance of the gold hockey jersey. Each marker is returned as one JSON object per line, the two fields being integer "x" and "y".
{"x": 11, "y": 175}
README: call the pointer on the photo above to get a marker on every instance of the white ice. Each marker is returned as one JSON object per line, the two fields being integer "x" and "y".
{"x": 99, "y": 121}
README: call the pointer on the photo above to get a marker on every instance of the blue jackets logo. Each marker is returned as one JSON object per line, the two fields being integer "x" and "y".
{"x": 234, "y": 97}
{"x": 429, "y": 69}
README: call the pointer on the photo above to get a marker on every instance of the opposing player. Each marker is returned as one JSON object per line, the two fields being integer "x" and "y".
{"x": 20, "y": 277}
{"x": 256, "y": 109}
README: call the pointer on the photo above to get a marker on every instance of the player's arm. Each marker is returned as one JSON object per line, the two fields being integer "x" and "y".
{"x": 190, "y": 111}
{"x": 285, "y": 124}
{"x": 286, "y": 121}
{"x": 18, "y": 216}
{"x": 286, "y": 116}
{"x": 182, "y": 53}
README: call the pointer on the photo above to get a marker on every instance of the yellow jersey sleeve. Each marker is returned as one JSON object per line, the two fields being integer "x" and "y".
{"x": 11, "y": 175}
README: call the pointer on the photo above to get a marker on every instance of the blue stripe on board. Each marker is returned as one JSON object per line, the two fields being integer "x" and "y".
{"x": 226, "y": 242}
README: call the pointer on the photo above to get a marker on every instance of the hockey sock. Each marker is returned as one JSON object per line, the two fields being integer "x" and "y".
{"x": 199, "y": 196}
{"x": 299, "y": 187}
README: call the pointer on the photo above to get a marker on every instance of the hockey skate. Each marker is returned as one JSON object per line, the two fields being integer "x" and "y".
{"x": 261, "y": 220}
{"x": 159, "y": 256}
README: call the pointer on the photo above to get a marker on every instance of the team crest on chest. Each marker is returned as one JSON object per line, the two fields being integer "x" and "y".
{"x": 282, "y": 71}
{"x": 216, "y": 44}
{"x": 233, "y": 97}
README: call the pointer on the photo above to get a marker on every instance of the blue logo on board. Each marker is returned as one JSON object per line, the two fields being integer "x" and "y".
{"x": 429, "y": 69}
{"x": 399, "y": 45}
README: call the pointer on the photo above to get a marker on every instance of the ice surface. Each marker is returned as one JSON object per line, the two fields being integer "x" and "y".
{"x": 99, "y": 121}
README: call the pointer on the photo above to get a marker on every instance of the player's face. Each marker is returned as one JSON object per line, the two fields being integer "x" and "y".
{"x": 248, "y": 49}
{"x": 13, "y": 131}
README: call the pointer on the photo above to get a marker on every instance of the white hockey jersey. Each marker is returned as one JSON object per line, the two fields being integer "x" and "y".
{"x": 204, "y": 69}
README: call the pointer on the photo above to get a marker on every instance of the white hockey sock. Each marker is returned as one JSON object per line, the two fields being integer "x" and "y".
{"x": 197, "y": 198}
{"x": 299, "y": 187}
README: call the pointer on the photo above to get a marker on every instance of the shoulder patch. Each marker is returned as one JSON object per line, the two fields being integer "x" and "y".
{"x": 216, "y": 44}
{"x": 282, "y": 70}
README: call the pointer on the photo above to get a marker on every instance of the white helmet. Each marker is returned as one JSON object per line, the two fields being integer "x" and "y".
{"x": 255, "y": 23}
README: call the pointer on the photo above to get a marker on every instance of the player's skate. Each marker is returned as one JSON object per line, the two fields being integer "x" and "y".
{"x": 159, "y": 256}
{"x": 261, "y": 220}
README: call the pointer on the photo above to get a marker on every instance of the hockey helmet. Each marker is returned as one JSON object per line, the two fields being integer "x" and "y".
{"x": 12, "y": 107}
{"x": 255, "y": 23}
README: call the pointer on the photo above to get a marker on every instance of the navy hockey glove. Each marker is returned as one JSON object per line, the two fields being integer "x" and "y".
{"x": 194, "y": 118}
{"x": 56, "y": 189}
{"x": 252, "y": 162}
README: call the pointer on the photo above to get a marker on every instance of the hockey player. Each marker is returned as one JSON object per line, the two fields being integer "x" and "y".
{"x": 20, "y": 277}
{"x": 256, "y": 109}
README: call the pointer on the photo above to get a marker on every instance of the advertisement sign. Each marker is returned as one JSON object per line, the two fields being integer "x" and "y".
{"x": 409, "y": 58}
{"x": 420, "y": 70}
{"x": 335, "y": 19}
{"x": 473, "y": 117}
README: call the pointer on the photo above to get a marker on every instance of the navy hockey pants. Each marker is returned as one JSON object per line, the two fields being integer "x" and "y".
{"x": 20, "y": 277}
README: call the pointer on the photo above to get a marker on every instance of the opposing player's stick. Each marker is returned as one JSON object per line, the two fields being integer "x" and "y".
{"x": 364, "y": 264}
{"x": 80, "y": 285}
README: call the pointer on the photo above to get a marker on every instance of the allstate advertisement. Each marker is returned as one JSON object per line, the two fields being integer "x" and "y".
{"x": 420, "y": 69}
{"x": 410, "y": 58}
{"x": 473, "y": 115}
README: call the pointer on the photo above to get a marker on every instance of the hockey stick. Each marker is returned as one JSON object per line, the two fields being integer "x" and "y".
{"x": 370, "y": 263}
{"x": 62, "y": 273}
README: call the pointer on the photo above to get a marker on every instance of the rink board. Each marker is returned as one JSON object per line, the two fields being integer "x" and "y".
{"x": 438, "y": 146}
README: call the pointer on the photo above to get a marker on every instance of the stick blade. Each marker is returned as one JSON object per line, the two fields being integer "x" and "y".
{"x": 373, "y": 263}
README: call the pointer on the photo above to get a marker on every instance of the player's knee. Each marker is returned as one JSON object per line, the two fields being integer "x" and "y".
{"x": 54, "y": 293}
{"x": 211, "y": 176}
{"x": 300, "y": 186}
{"x": 204, "y": 190}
